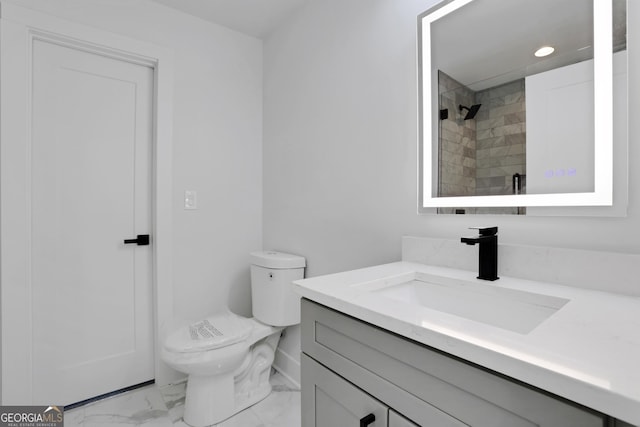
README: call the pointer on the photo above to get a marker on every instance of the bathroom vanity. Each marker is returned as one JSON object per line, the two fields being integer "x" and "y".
{"x": 407, "y": 344}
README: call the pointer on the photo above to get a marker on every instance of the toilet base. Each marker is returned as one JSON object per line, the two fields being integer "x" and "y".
{"x": 199, "y": 411}
{"x": 209, "y": 400}
{"x": 212, "y": 399}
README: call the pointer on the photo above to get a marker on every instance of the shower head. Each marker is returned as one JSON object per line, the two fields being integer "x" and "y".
{"x": 471, "y": 111}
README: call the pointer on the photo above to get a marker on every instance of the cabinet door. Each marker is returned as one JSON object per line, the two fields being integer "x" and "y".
{"x": 397, "y": 420}
{"x": 330, "y": 401}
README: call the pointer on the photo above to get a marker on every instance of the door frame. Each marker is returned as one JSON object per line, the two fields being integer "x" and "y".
{"x": 19, "y": 27}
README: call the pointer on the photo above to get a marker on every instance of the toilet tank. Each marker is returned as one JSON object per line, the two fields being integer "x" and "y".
{"x": 273, "y": 300}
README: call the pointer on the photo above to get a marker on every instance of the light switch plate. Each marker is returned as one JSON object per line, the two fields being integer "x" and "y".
{"x": 190, "y": 199}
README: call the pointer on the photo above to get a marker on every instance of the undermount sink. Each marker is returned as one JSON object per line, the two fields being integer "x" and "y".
{"x": 509, "y": 309}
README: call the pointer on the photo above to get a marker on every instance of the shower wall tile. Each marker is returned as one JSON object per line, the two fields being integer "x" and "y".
{"x": 520, "y": 138}
{"x": 506, "y": 109}
{"x": 450, "y": 171}
{"x": 513, "y": 118}
{"x": 491, "y": 142}
{"x": 451, "y": 146}
{"x": 489, "y": 123}
{"x": 480, "y": 156}
{"x": 491, "y": 162}
{"x": 516, "y": 97}
{"x": 469, "y": 163}
{"x": 485, "y": 133}
{"x": 457, "y": 158}
{"x": 501, "y": 137}
{"x": 504, "y": 171}
{"x": 504, "y": 90}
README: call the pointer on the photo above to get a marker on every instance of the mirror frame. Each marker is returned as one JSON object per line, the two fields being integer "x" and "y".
{"x": 603, "y": 122}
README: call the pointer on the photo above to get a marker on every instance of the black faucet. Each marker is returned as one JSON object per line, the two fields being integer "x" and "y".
{"x": 488, "y": 254}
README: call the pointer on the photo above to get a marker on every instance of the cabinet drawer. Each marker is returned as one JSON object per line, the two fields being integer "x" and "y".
{"x": 330, "y": 401}
{"x": 397, "y": 420}
{"x": 383, "y": 363}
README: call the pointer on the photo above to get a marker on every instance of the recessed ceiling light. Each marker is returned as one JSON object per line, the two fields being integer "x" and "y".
{"x": 544, "y": 51}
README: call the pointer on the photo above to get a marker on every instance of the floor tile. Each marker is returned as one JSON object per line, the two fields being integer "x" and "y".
{"x": 173, "y": 396}
{"x": 164, "y": 407}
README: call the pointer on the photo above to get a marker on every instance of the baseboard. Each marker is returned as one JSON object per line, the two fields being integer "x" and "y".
{"x": 287, "y": 366}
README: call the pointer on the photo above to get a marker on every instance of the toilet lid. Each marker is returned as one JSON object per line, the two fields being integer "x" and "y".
{"x": 219, "y": 330}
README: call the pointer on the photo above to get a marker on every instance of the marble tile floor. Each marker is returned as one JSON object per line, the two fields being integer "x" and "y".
{"x": 163, "y": 407}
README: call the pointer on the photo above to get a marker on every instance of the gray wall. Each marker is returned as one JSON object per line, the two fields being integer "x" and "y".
{"x": 340, "y": 143}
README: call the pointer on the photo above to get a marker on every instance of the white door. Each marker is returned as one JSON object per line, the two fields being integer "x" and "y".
{"x": 90, "y": 179}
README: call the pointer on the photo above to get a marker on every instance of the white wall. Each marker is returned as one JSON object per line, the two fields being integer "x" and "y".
{"x": 217, "y": 144}
{"x": 340, "y": 144}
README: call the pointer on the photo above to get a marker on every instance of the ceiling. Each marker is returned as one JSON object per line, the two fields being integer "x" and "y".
{"x": 490, "y": 42}
{"x": 489, "y": 38}
{"x": 257, "y": 18}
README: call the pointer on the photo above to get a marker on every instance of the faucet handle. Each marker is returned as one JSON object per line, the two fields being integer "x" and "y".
{"x": 486, "y": 231}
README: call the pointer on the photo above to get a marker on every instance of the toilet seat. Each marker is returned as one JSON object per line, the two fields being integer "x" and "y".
{"x": 218, "y": 330}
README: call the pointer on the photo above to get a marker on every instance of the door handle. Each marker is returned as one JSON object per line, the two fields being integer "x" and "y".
{"x": 141, "y": 240}
{"x": 367, "y": 420}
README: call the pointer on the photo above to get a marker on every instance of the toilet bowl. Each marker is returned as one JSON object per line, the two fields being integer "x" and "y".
{"x": 228, "y": 357}
{"x": 225, "y": 376}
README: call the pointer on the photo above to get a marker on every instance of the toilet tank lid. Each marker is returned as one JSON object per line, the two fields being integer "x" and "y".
{"x": 218, "y": 330}
{"x": 274, "y": 259}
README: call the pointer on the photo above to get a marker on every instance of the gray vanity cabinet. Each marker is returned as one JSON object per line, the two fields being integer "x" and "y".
{"x": 351, "y": 368}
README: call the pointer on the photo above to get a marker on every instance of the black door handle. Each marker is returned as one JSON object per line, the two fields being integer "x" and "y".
{"x": 367, "y": 420}
{"x": 141, "y": 240}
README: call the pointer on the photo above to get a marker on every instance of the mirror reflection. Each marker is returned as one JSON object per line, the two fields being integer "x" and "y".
{"x": 513, "y": 98}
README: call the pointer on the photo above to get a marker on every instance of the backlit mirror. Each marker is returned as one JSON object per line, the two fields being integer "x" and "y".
{"x": 504, "y": 124}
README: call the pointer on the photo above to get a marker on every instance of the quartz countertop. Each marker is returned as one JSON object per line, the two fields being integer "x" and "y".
{"x": 588, "y": 351}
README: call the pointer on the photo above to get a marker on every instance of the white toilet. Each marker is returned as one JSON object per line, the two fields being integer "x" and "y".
{"x": 228, "y": 357}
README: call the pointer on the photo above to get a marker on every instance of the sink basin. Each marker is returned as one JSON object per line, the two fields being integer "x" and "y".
{"x": 510, "y": 309}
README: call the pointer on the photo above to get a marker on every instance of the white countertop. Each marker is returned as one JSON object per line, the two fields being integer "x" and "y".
{"x": 588, "y": 351}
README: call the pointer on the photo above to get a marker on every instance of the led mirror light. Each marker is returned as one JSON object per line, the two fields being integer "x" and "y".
{"x": 544, "y": 51}
{"x": 603, "y": 123}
